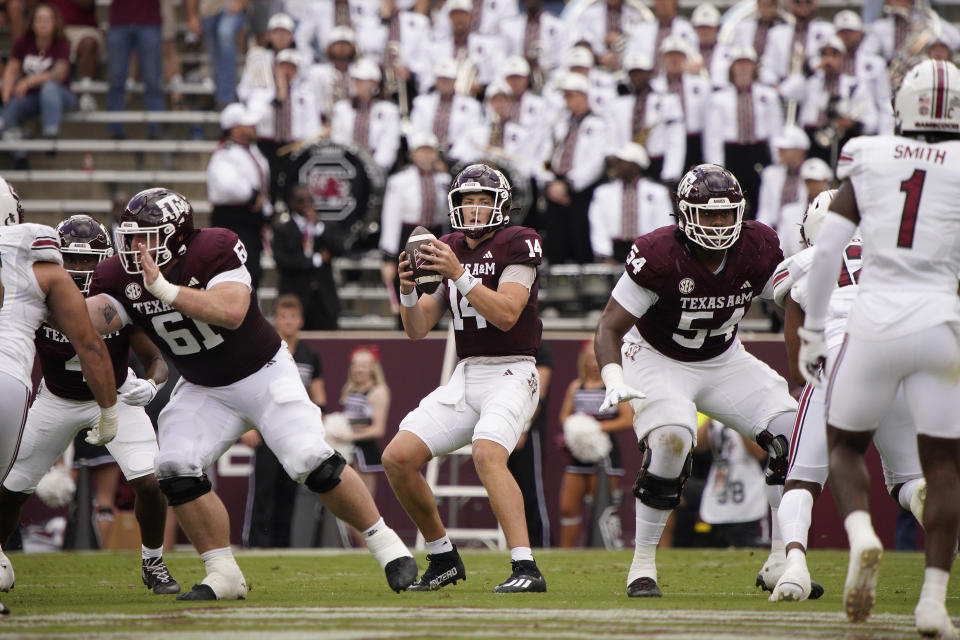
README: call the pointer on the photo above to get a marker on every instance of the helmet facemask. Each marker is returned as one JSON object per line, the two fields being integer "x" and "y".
{"x": 459, "y": 213}
{"x": 157, "y": 239}
{"x": 705, "y": 235}
{"x": 82, "y": 275}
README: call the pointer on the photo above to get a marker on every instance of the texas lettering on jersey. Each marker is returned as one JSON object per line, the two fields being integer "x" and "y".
{"x": 474, "y": 335}
{"x": 697, "y": 312}
{"x": 203, "y": 354}
{"x": 61, "y": 365}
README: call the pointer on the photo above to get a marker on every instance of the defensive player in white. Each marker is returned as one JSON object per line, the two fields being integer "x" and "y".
{"x": 35, "y": 286}
{"x": 904, "y": 327}
{"x": 895, "y": 439}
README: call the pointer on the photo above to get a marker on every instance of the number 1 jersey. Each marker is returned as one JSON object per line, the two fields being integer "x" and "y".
{"x": 204, "y": 354}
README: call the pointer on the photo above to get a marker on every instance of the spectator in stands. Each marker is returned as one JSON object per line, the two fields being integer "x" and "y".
{"x": 417, "y": 195}
{"x": 691, "y": 90}
{"x": 369, "y": 123}
{"x": 447, "y": 115}
{"x": 647, "y": 36}
{"x": 741, "y": 119}
{"x": 650, "y": 118}
{"x": 584, "y": 395}
{"x": 816, "y": 176}
{"x": 317, "y": 20}
{"x": 172, "y": 68}
{"x": 135, "y": 24}
{"x": 529, "y": 108}
{"x": 365, "y": 399}
{"x": 238, "y": 183}
{"x": 804, "y": 36}
{"x": 219, "y": 21}
{"x": 13, "y": 13}
{"x": 479, "y": 55}
{"x": 867, "y": 68}
{"x": 485, "y": 17}
{"x": 753, "y": 31}
{"x": 628, "y": 206}
{"x": 603, "y": 86}
{"x": 781, "y": 187}
{"x": 712, "y": 63}
{"x": 303, "y": 248}
{"x": 331, "y": 79}
{"x": 37, "y": 77}
{"x": 258, "y": 66}
{"x": 895, "y": 27}
{"x": 270, "y": 511}
{"x": 86, "y": 42}
{"x": 544, "y": 44}
{"x": 576, "y": 166}
{"x": 604, "y": 26}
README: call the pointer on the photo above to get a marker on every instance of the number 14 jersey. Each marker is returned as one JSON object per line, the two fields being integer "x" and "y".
{"x": 204, "y": 354}
{"x": 908, "y": 194}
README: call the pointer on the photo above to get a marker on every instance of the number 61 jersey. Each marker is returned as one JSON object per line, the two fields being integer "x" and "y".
{"x": 697, "y": 312}
{"x": 206, "y": 355}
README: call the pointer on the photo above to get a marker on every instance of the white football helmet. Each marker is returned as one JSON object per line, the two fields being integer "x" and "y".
{"x": 813, "y": 217}
{"x": 10, "y": 210}
{"x": 928, "y": 99}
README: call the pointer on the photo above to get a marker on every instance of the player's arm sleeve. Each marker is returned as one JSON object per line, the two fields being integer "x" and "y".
{"x": 45, "y": 246}
{"x": 848, "y": 162}
{"x": 524, "y": 274}
{"x": 632, "y": 297}
{"x": 833, "y": 237}
{"x": 240, "y": 274}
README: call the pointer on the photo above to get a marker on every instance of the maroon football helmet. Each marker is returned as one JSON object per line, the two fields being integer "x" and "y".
{"x": 480, "y": 178}
{"x": 709, "y": 187}
{"x": 83, "y": 237}
{"x": 165, "y": 217}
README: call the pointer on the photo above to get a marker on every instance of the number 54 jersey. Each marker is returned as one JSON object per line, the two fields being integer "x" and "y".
{"x": 907, "y": 193}
{"x": 206, "y": 355}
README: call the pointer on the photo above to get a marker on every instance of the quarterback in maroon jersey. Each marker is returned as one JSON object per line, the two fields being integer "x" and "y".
{"x": 65, "y": 405}
{"x": 490, "y": 288}
{"x": 681, "y": 298}
{"x": 190, "y": 291}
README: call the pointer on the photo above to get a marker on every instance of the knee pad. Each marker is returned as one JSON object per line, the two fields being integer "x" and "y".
{"x": 655, "y": 491}
{"x": 183, "y": 489}
{"x": 327, "y": 475}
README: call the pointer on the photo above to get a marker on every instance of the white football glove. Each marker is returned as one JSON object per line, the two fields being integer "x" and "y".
{"x": 136, "y": 392}
{"x": 617, "y": 390}
{"x": 56, "y": 487}
{"x": 106, "y": 429}
{"x": 812, "y": 357}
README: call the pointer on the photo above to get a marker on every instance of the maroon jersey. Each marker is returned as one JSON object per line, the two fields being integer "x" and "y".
{"x": 474, "y": 335}
{"x": 61, "y": 366}
{"x": 697, "y": 313}
{"x": 206, "y": 355}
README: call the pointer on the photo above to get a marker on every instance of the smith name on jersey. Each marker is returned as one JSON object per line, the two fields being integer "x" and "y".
{"x": 697, "y": 313}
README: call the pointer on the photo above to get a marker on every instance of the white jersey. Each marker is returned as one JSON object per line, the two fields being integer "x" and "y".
{"x": 24, "y": 305}
{"x": 791, "y": 277}
{"x": 907, "y": 193}
{"x": 735, "y": 488}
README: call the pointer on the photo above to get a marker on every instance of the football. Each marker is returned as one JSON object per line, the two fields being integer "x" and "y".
{"x": 427, "y": 280}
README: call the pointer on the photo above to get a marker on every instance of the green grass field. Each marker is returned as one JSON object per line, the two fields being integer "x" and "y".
{"x": 707, "y": 594}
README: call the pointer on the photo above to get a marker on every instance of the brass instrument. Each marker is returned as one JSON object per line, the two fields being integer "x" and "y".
{"x": 467, "y": 75}
{"x": 395, "y": 86}
{"x": 797, "y": 59}
{"x": 924, "y": 31}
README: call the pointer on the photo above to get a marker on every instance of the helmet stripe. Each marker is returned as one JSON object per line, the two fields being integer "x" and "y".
{"x": 939, "y": 90}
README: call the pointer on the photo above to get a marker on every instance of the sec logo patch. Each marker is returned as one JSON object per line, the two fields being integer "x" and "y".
{"x": 133, "y": 291}
{"x": 686, "y": 285}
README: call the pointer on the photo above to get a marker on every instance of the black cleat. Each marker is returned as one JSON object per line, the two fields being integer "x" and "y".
{"x": 156, "y": 576}
{"x": 443, "y": 569}
{"x": 401, "y": 572}
{"x": 4, "y": 611}
{"x": 644, "y": 588}
{"x": 816, "y": 589}
{"x": 199, "y": 592}
{"x": 526, "y": 578}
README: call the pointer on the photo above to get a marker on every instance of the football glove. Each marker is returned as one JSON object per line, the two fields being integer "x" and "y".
{"x": 106, "y": 429}
{"x": 136, "y": 392}
{"x": 778, "y": 452}
{"x": 617, "y": 390}
{"x": 812, "y": 357}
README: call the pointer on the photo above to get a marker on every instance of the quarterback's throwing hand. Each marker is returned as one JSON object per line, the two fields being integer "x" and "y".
{"x": 620, "y": 393}
{"x": 812, "y": 358}
{"x": 106, "y": 429}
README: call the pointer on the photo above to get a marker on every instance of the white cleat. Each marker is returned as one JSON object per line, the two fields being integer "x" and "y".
{"x": 860, "y": 588}
{"x": 6, "y": 573}
{"x": 793, "y": 585}
{"x": 917, "y": 501}
{"x": 771, "y": 571}
{"x": 932, "y": 620}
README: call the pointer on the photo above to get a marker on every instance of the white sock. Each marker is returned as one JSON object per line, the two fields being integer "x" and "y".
{"x": 794, "y": 515}
{"x": 650, "y": 524}
{"x": 386, "y": 546}
{"x": 934, "y": 584}
{"x": 441, "y": 545}
{"x": 907, "y": 492}
{"x": 521, "y": 553}
{"x": 373, "y": 529}
{"x": 207, "y": 556}
{"x": 858, "y": 526}
{"x": 147, "y": 553}
{"x": 796, "y": 555}
{"x": 644, "y": 563}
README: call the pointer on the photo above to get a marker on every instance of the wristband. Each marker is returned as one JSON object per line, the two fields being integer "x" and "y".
{"x": 465, "y": 283}
{"x": 612, "y": 375}
{"x": 162, "y": 289}
{"x": 409, "y": 299}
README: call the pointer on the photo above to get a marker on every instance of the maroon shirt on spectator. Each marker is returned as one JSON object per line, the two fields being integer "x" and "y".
{"x": 33, "y": 61}
{"x": 697, "y": 313}
{"x": 207, "y": 355}
{"x": 474, "y": 335}
{"x": 61, "y": 366}
{"x": 123, "y": 12}
{"x": 74, "y": 15}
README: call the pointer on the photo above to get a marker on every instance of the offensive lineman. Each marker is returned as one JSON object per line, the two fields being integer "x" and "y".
{"x": 64, "y": 406}
{"x": 189, "y": 290}
{"x": 904, "y": 327}
{"x": 807, "y": 473}
{"x": 684, "y": 291}
{"x": 35, "y": 284}
{"x": 490, "y": 286}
